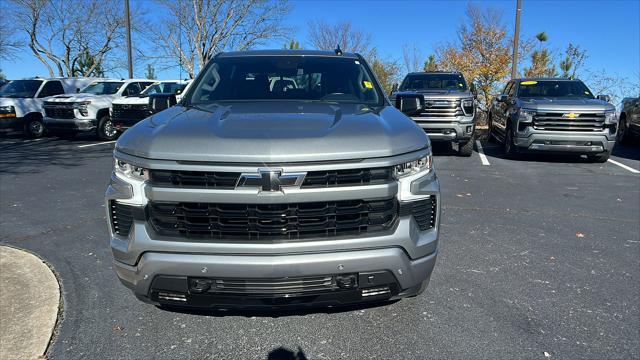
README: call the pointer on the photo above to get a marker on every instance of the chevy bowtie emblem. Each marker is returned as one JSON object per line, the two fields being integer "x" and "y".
{"x": 270, "y": 180}
{"x": 571, "y": 115}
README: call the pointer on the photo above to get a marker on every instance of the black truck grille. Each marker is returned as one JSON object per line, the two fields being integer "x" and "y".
{"x": 228, "y": 180}
{"x": 272, "y": 221}
{"x": 440, "y": 109}
{"x": 424, "y": 211}
{"x": 121, "y": 218}
{"x": 121, "y": 112}
{"x": 273, "y": 286}
{"x": 59, "y": 113}
{"x": 561, "y": 122}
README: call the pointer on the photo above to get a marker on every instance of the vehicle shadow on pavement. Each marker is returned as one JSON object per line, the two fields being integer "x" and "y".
{"x": 443, "y": 149}
{"x": 631, "y": 152}
{"x": 282, "y": 353}
{"x": 275, "y": 313}
{"x": 495, "y": 150}
{"x": 30, "y": 156}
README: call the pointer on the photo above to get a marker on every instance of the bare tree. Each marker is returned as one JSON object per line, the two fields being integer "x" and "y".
{"x": 326, "y": 36}
{"x": 60, "y": 32}
{"x": 9, "y": 43}
{"x": 194, "y": 31}
{"x": 573, "y": 61}
{"x": 411, "y": 57}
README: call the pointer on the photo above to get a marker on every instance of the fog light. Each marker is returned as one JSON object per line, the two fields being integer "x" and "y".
{"x": 376, "y": 291}
{"x": 200, "y": 285}
{"x": 349, "y": 281}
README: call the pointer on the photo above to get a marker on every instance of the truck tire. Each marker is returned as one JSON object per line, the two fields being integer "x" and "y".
{"x": 33, "y": 127}
{"x": 623, "y": 137}
{"x": 466, "y": 148}
{"x": 510, "y": 149}
{"x": 106, "y": 130}
{"x": 490, "y": 137}
{"x": 599, "y": 158}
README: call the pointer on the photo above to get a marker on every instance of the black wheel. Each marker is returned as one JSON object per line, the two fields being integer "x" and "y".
{"x": 623, "y": 133}
{"x": 599, "y": 158}
{"x": 509, "y": 147}
{"x": 106, "y": 130}
{"x": 33, "y": 128}
{"x": 466, "y": 148}
{"x": 490, "y": 136}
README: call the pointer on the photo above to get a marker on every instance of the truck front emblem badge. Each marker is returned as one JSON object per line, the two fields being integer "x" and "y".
{"x": 571, "y": 115}
{"x": 270, "y": 180}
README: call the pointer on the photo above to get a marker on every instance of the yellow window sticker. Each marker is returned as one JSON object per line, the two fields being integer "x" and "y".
{"x": 156, "y": 83}
{"x": 367, "y": 84}
{"x": 528, "y": 83}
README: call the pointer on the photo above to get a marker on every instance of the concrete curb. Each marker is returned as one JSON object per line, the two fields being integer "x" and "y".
{"x": 29, "y": 301}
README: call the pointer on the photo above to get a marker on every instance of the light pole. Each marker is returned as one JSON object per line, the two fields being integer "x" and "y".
{"x": 514, "y": 65}
{"x": 128, "y": 25}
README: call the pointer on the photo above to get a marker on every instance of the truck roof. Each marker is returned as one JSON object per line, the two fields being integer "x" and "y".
{"x": 545, "y": 79}
{"x": 286, "y": 52}
{"x": 434, "y": 72}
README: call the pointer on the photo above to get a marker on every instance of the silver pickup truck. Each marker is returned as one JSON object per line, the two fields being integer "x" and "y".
{"x": 553, "y": 115}
{"x": 252, "y": 192}
{"x": 447, "y": 107}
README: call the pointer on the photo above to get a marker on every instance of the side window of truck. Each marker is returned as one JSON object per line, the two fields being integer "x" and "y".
{"x": 512, "y": 90}
{"x": 145, "y": 84}
{"x": 51, "y": 88}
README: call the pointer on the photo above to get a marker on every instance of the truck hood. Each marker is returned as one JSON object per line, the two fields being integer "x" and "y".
{"x": 78, "y": 97}
{"x": 132, "y": 100}
{"x": 564, "y": 104}
{"x": 273, "y": 132}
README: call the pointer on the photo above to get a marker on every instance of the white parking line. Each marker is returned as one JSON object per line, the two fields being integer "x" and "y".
{"x": 96, "y": 144}
{"x": 624, "y": 166}
{"x": 483, "y": 157}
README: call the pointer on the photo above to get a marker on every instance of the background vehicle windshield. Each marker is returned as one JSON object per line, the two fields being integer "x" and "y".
{"x": 434, "y": 82}
{"x": 163, "y": 88}
{"x": 551, "y": 88}
{"x": 103, "y": 88}
{"x": 20, "y": 88}
{"x": 309, "y": 78}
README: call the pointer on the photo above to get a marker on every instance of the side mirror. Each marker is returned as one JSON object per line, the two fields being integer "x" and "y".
{"x": 410, "y": 104}
{"x": 606, "y": 98}
{"x": 502, "y": 98}
{"x": 159, "y": 102}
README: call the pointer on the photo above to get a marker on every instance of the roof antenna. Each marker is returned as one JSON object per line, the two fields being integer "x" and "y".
{"x": 338, "y": 50}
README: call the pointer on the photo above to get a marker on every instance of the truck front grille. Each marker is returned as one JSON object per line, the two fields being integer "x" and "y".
{"x": 271, "y": 286}
{"x": 228, "y": 180}
{"x": 440, "y": 109}
{"x": 121, "y": 217}
{"x": 121, "y": 112}
{"x": 557, "y": 121}
{"x": 272, "y": 221}
{"x": 59, "y": 113}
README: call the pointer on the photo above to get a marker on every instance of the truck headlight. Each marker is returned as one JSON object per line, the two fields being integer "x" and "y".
{"x": 129, "y": 171}
{"x": 525, "y": 116}
{"x": 7, "y": 111}
{"x": 422, "y": 164}
{"x": 467, "y": 106}
{"x": 610, "y": 117}
{"x": 82, "y": 107}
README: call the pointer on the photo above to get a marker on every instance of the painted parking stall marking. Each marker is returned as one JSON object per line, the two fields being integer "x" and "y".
{"x": 96, "y": 144}
{"x": 483, "y": 157}
{"x": 626, "y": 167}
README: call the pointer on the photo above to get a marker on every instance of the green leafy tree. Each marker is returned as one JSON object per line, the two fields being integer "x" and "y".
{"x": 541, "y": 62}
{"x": 292, "y": 45}
{"x": 573, "y": 61}
{"x": 387, "y": 72}
{"x": 86, "y": 64}
{"x": 150, "y": 73}
{"x": 431, "y": 64}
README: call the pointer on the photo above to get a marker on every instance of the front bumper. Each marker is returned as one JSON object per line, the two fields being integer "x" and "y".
{"x": 11, "y": 123}
{"x": 565, "y": 142}
{"x": 61, "y": 125}
{"x": 459, "y": 129}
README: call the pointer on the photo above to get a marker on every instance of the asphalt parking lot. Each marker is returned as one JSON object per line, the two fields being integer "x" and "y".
{"x": 539, "y": 258}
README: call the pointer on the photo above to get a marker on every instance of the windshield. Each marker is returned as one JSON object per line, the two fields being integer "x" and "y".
{"x": 308, "y": 78}
{"x": 164, "y": 88}
{"x": 20, "y": 88}
{"x": 554, "y": 88}
{"x": 103, "y": 88}
{"x": 434, "y": 82}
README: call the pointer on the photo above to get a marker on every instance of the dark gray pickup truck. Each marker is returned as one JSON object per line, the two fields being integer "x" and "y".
{"x": 446, "y": 109}
{"x": 255, "y": 191}
{"x": 629, "y": 120}
{"x": 553, "y": 115}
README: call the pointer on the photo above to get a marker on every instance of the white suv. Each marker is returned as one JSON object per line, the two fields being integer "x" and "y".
{"x": 88, "y": 110}
{"x": 21, "y": 101}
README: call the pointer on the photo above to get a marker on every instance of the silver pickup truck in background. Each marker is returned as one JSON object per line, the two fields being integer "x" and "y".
{"x": 256, "y": 192}
{"x": 553, "y": 115}
{"x": 447, "y": 107}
